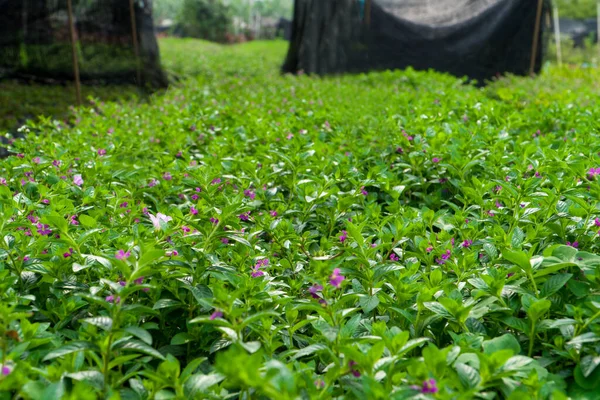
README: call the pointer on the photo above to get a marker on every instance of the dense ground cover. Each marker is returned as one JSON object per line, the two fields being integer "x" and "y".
{"x": 248, "y": 235}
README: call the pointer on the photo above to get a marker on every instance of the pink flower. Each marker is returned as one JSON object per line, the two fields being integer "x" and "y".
{"x": 159, "y": 220}
{"x": 429, "y": 249}
{"x": 224, "y": 240}
{"x": 467, "y": 243}
{"x": 185, "y": 229}
{"x": 436, "y": 160}
{"x": 273, "y": 213}
{"x": 319, "y": 383}
{"x": 36, "y": 160}
{"x": 122, "y": 255}
{"x": 194, "y": 197}
{"x": 173, "y": 253}
{"x": 101, "y": 152}
{"x": 68, "y": 253}
{"x": 394, "y": 257}
{"x": 363, "y": 191}
{"x": 336, "y": 278}
{"x": 429, "y": 387}
{"x": 139, "y": 280}
{"x": 214, "y": 220}
{"x": 78, "y": 180}
{"x": 6, "y": 370}
{"x": 193, "y": 210}
{"x": 216, "y": 181}
{"x": 167, "y": 176}
{"x": 113, "y": 299}
{"x": 314, "y": 290}
{"x": 153, "y": 182}
{"x": 574, "y": 244}
{"x": 343, "y": 236}
{"x": 597, "y": 221}
{"x": 250, "y": 193}
{"x": 216, "y": 314}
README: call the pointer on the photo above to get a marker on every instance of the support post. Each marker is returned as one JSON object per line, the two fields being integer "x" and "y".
{"x": 368, "y": 12}
{"x": 136, "y": 45}
{"x": 74, "y": 52}
{"x": 536, "y": 33}
{"x": 557, "y": 35}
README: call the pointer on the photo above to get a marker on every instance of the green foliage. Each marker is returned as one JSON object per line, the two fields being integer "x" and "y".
{"x": 204, "y": 19}
{"x": 420, "y": 236}
{"x": 579, "y": 9}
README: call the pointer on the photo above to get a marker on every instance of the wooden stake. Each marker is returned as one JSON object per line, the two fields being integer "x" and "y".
{"x": 536, "y": 32}
{"x": 136, "y": 45}
{"x": 557, "y": 36}
{"x": 74, "y": 53}
{"x": 368, "y": 12}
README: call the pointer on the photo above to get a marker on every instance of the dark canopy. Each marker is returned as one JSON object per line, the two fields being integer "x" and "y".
{"x": 35, "y": 40}
{"x": 474, "y": 38}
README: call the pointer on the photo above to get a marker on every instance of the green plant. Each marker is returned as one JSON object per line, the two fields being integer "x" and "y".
{"x": 204, "y": 19}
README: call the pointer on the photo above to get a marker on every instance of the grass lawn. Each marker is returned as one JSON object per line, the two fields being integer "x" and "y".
{"x": 248, "y": 235}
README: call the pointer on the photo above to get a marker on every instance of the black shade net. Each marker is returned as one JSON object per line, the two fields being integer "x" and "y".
{"x": 475, "y": 38}
{"x": 35, "y": 41}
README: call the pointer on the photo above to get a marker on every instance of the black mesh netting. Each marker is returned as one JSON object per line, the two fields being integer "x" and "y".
{"x": 475, "y": 38}
{"x": 35, "y": 41}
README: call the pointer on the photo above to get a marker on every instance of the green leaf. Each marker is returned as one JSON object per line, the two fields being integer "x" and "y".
{"x": 504, "y": 342}
{"x": 308, "y": 350}
{"x": 166, "y": 303}
{"x": 588, "y": 365}
{"x": 197, "y": 384}
{"x": 101, "y": 322}
{"x": 87, "y": 221}
{"x": 181, "y": 338}
{"x": 518, "y": 258}
{"x": 72, "y": 347}
{"x": 57, "y": 221}
{"x": 140, "y": 333}
{"x": 554, "y": 284}
{"x": 539, "y": 308}
{"x": 517, "y": 238}
{"x": 138, "y": 346}
{"x": 468, "y": 375}
{"x": 369, "y": 303}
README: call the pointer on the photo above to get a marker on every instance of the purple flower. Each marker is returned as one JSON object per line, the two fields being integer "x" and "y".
{"x": 6, "y": 370}
{"x": 193, "y": 210}
{"x": 113, "y": 299}
{"x": 122, "y": 254}
{"x": 139, "y": 280}
{"x": 224, "y": 240}
{"x": 353, "y": 370}
{"x": 394, "y": 257}
{"x": 498, "y": 204}
{"x": 167, "y": 176}
{"x": 56, "y": 163}
{"x": 314, "y": 290}
{"x": 216, "y": 181}
{"x": 36, "y": 160}
{"x": 343, "y": 236}
{"x": 68, "y": 253}
{"x": 336, "y": 278}
{"x": 593, "y": 172}
{"x": 574, "y": 244}
{"x": 467, "y": 243}
{"x": 153, "y": 182}
{"x": 244, "y": 216}
{"x": 250, "y": 193}
{"x": 273, "y": 213}
{"x": 363, "y": 191}
{"x": 537, "y": 174}
{"x": 597, "y": 221}
{"x": 214, "y": 220}
{"x": 436, "y": 160}
{"x": 429, "y": 386}
{"x": 78, "y": 180}
{"x": 319, "y": 383}
{"x": 101, "y": 152}
{"x": 216, "y": 314}
{"x": 429, "y": 249}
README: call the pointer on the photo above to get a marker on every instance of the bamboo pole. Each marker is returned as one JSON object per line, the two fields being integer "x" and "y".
{"x": 368, "y": 12}
{"x": 536, "y": 33}
{"x": 136, "y": 45}
{"x": 557, "y": 35}
{"x": 74, "y": 53}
